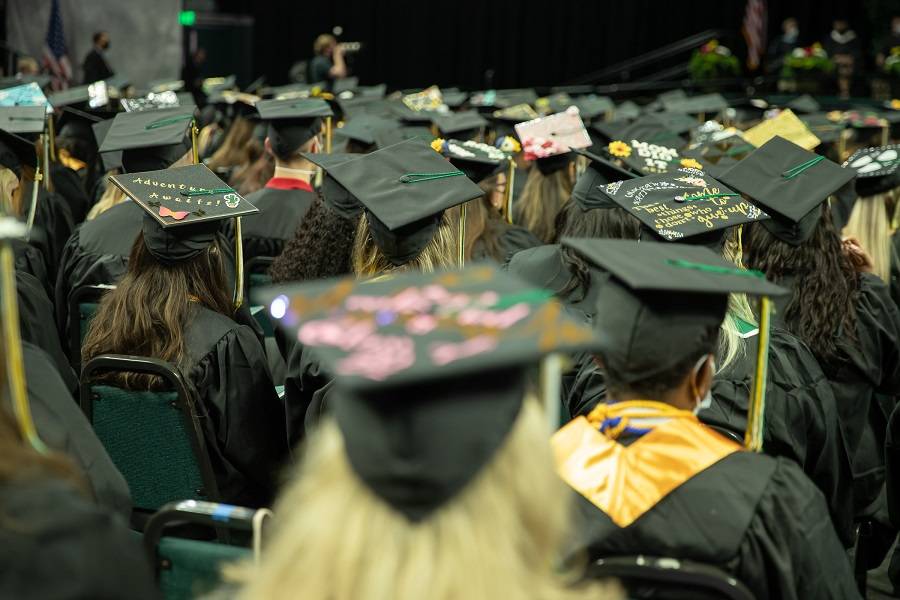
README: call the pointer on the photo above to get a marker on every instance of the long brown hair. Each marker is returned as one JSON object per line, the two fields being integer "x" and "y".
{"x": 255, "y": 175}
{"x": 234, "y": 151}
{"x": 147, "y": 313}
{"x": 484, "y": 222}
{"x": 542, "y": 198}
{"x": 440, "y": 253}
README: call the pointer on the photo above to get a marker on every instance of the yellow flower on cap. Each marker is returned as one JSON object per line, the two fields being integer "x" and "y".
{"x": 438, "y": 144}
{"x": 619, "y": 148}
{"x": 691, "y": 163}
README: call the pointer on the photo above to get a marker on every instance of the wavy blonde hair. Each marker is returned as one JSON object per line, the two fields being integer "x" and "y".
{"x": 335, "y": 540}
{"x": 111, "y": 196}
{"x": 869, "y": 223}
{"x": 441, "y": 252}
{"x": 731, "y": 344}
{"x": 542, "y": 198}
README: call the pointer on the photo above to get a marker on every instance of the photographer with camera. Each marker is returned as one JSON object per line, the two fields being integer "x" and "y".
{"x": 328, "y": 63}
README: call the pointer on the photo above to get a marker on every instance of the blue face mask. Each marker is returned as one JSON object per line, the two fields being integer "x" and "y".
{"x": 791, "y": 36}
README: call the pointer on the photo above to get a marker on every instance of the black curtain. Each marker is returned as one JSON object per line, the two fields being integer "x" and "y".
{"x": 413, "y": 44}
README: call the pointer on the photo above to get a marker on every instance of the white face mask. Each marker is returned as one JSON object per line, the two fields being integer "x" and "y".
{"x": 706, "y": 401}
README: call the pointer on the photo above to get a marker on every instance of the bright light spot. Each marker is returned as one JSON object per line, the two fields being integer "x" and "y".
{"x": 279, "y": 307}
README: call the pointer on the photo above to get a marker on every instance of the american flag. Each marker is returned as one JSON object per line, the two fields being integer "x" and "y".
{"x": 55, "y": 52}
{"x": 754, "y": 30}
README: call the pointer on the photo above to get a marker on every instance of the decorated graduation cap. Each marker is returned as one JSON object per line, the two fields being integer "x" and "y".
{"x": 720, "y": 152}
{"x": 93, "y": 95}
{"x": 589, "y": 188}
{"x": 27, "y": 94}
{"x": 649, "y": 158}
{"x": 465, "y": 124}
{"x": 432, "y": 376}
{"x": 549, "y": 140}
{"x": 150, "y": 140}
{"x": 790, "y": 183}
{"x": 786, "y": 125}
{"x": 405, "y": 189}
{"x": 292, "y": 123}
{"x": 477, "y": 160}
{"x": 684, "y": 203}
{"x": 876, "y": 169}
{"x": 660, "y": 301}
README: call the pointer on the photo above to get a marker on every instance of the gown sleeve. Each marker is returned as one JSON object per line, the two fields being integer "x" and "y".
{"x": 790, "y": 550}
{"x": 68, "y": 184}
{"x": 38, "y": 328}
{"x": 303, "y": 402}
{"x": 245, "y": 418}
{"x": 64, "y": 428}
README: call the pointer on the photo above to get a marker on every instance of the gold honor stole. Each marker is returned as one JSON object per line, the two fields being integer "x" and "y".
{"x": 627, "y": 481}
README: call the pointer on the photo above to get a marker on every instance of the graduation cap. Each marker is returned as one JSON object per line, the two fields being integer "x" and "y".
{"x": 152, "y": 139}
{"x": 804, "y": 104}
{"x": 405, "y": 189}
{"x": 785, "y": 125}
{"x": 29, "y": 94}
{"x": 399, "y": 133}
{"x": 42, "y": 81}
{"x": 876, "y": 169}
{"x": 466, "y": 124}
{"x": 684, "y": 203}
{"x": 592, "y": 107}
{"x": 95, "y": 95}
{"x": 588, "y": 191}
{"x": 363, "y": 128}
{"x": 110, "y": 160}
{"x": 344, "y": 84}
{"x": 554, "y": 103}
{"x": 511, "y": 97}
{"x": 824, "y": 127}
{"x": 335, "y": 195}
{"x": 649, "y": 158}
{"x": 707, "y": 104}
{"x": 24, "y": 120}
{"x": 790, "y": 183}
{"x": 16, "y": 151}
{"x": 424, "y": 395}
{"x": 720, "y": 152}
{"x": 165, "y": 85}
{"x": 549, "y": 140}
{"x": 408, "y": 115}
{"x": 477, "y": 160}
{"x": 183, "y": 212}
{"x": 455, "y": 99}
{"x": 292, "y": 123}
{"x": 659, "y": 303}
{"x": 626, "y": 110}
{"x": 504, "y": 120}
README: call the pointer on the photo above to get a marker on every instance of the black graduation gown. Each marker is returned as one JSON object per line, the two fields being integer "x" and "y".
{"x": 95, "y": 67}
{"x": 865, "y": 385}
{"x": 306, "y": 386}
{"x": 96, "y": 253}
{"x": 53, "y": 224}
{"x": 64, "y": 428}
{"x": 280, "y": 212}
{"x": 801, "y": 420}
{"x": 894, "y": 283}
{"x": 545, "y": 267}
{"x": 56, "y": 544}
{"x": 30, "y": 260}
{"x": 244, "y": 425}
{"x": 69, "y": 185}
{"x": 37, "y": 326}
{"x": 756, "y": 517}
{"x": 513, "y": 239}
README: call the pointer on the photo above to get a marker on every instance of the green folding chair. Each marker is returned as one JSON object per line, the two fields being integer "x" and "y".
{"x": 83, "y": 304}
{"x": 153, "y": 437}
{"x": 191, "y": 568}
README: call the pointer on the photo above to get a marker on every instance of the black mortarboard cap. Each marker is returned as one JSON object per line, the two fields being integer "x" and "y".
{"x": 876, "y": 169}
{"x": 410, "y": 116}
{"x": 661, "y": 299}
{"x": 16, "y": 80}
{"x": 460, "y": 123}
{"x": 554, "y": 103}
{"x": 150, "y": 140}
{"x": 94, "y": 94}
{"x": 344, "y": 84}
{"x": 333, "y": 193}
{"x": 804, "y": 104}
{"x": 430, "y": 373}
{"x": 708, "y": 104}
{"x": 627, "y": 110}
{"x": 111, "y": 160}
{"x": 455, "y": 99}
{"x": 648, "y": 158}
{"x": 718, "y": 154}
{"x": 292, "y": 123}
{"x": 790, "y": 183}
{"x": 592, "y": 107}
{"x": 827, "y": 129}
{"x": 16, "y": 151}
{"x": 511, "y": 97}
{"x": 389, "y": 136}
{"x": 24, "y": 120}
{"x": 363, "y": 128}
{"x": 683, "y": 203}
{"x": 184, "y": 208}
{"x": 477, "y": 160}
{"x": 405, "y": 189}
{"x": 588, "y": 191}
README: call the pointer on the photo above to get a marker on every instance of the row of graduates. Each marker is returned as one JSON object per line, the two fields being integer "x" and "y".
{"x": 174, "y": 283}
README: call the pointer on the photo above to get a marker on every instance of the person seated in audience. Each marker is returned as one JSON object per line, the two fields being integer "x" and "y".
{"x": 649, "y": 477}
{"x": 428, "y": 480}
{"x": 174, "y": 304}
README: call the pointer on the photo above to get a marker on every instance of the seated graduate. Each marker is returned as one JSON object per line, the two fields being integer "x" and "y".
{"x": 548, "y": 187}
{"x": 97, "y": 252}
{"x": 689, "y": 206}
{"x": 590, "y": 214}
{"x": 174, "y": 304}
{"x": 432, "y": 477}
{"x": 845, "y": 316}
{"x": 404, "y": 226}
{"x": 76, "y": 152}
{"x": 36, "y": 328}
{"x": 294, "y": 128}
{"x": 651, "y": 479}
{"x": 874, "y": 213}
{"x": 488, "y": 234}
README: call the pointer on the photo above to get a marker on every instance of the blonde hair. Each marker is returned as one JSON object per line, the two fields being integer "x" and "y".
{"x": 542, "y": 198}
{"x": 870, "y": 225}
{"x": 323, "y": 41}
{"x": 112, "y": 195}
{"x": 731, "y": 343}
{"x": 441, "y": 252}
{"x": 10, "y": 181}
{"x": 335, "y": 540}
{"x": 236, "y": 149}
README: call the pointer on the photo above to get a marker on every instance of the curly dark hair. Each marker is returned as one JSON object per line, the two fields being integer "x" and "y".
{"x": 321, "y": 247}
{"x": 606, "y": 223}
{"x": 658, "y": 386}
{"x": 822, "y": 308}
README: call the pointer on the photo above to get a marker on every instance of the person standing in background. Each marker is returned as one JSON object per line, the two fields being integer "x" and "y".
{"x": 95, "y": 66}
{"x": 328, "y": 63}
